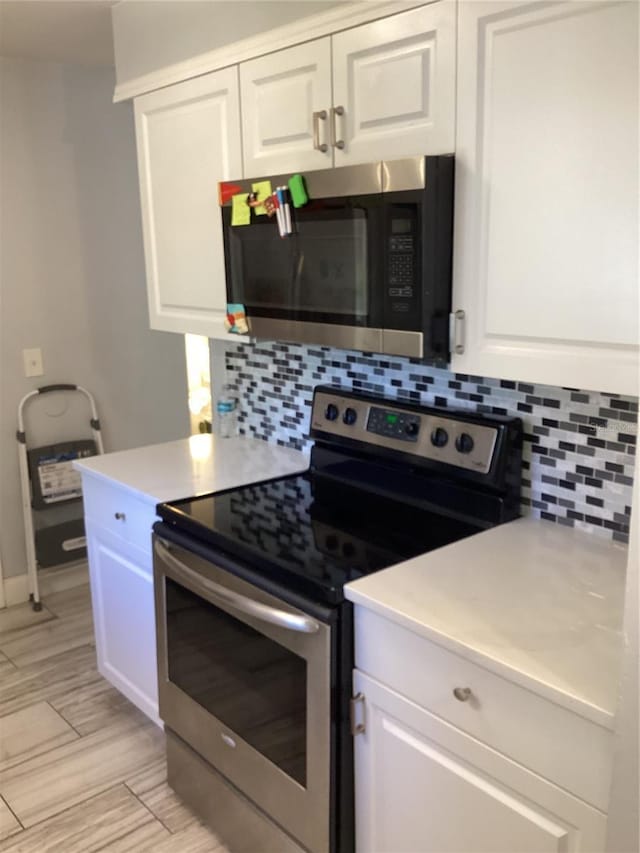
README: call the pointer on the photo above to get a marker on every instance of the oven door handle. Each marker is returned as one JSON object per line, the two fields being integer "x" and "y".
{"x": 263, "y": 612}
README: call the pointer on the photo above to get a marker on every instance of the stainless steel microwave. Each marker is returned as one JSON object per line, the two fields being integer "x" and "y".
{"x": 367, "y": 265}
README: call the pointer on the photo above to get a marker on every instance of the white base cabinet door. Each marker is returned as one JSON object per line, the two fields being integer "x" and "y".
{"x": 121, "y": 579}
{"x": 423, "y": 786}
{"x": 546, "y": 208}
{"x": 188, "y": 139}
{"x": 394, "y": 86}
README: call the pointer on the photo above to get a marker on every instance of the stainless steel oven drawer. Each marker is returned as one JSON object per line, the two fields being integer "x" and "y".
{"x": 242, "y": 826}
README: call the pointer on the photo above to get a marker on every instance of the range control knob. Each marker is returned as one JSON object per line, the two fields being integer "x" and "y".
{"x": 350, "y": 416}
{"x": 412, "y": 428}
{"x": 439, "y": 437}
{"x": 331, "y": 412}
{"x": 464, "y": 443}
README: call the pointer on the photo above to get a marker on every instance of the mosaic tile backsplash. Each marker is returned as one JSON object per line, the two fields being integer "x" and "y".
{"x": 579, "y": 449}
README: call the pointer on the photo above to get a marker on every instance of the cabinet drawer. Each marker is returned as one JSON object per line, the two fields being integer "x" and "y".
{"x": 118, "y": 512}
{"x": 557, "y": 743}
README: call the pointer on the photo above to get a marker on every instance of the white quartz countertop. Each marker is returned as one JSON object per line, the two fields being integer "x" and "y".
{"x": 193, "y": 466}
{"x": 537, "y": 603}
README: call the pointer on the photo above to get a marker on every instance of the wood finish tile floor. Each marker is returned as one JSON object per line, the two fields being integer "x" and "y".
{"x": 81, "y": 769}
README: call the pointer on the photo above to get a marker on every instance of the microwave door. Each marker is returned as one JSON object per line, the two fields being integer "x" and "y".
{"x": 320, "y": 284}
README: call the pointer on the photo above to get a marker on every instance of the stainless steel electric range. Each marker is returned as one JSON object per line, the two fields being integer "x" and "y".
{"x": 255, "y": 638}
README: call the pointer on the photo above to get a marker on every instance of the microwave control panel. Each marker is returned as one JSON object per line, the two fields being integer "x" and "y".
{"x": 401, "y": 296}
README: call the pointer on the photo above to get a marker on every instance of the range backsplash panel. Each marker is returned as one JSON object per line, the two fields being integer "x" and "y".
{"x": 579, "y": 445}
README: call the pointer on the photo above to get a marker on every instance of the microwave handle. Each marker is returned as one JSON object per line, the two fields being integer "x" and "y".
{"x": 263, "y": 612}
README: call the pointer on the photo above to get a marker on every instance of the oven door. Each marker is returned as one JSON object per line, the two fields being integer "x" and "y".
{"x": 245, "y": 679}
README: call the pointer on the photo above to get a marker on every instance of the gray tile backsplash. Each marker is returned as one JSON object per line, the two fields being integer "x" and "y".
{"x": 579, "y": 445}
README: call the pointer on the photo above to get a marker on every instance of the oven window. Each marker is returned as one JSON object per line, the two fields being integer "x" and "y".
{"x": 249, "y": 682}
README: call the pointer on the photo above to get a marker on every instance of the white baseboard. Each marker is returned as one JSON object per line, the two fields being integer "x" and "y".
{"x": 16, "y": 589}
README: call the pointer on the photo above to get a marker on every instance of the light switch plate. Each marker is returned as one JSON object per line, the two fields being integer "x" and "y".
{"x": 32, "y": 362}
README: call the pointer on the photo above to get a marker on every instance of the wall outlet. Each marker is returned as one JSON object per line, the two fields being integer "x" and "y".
{"x": 32, "y": 362}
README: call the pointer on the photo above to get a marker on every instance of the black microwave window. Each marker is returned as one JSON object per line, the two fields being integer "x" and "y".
{"x": 249, "y": 682}
{"x": 321, "y": 270}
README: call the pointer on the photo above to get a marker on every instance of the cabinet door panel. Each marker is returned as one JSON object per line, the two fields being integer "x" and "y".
{"x": 280, "y": 93}
{"x": 123, "y": 609}
{"x": 188, "y": 139}
{"x": 546, "y": 262}
{"x": 424, "y": 787}
{"x": 395, "y": 79}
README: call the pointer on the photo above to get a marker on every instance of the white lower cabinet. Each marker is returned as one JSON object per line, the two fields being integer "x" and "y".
{"x": 118, "y": 528}
{"x": 455, "y": 758}
{"x": 424, "y": 786}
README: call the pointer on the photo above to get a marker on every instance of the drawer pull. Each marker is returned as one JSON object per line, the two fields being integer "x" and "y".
{"x": 120, "y": 516}
{"x": 462, "y": 694}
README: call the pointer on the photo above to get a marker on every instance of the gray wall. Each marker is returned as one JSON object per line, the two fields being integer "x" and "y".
{"x": 72, "y": 277}
{"x": 150, "y": 34}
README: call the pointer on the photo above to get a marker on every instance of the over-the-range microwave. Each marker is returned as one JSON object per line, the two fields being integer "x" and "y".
{"x": 367, "y": 265}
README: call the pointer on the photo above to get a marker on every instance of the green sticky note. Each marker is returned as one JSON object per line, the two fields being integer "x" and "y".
{"x": 240, "y": 210}
{"x": 263, "y": 190}
{"x": 298, "y": 191}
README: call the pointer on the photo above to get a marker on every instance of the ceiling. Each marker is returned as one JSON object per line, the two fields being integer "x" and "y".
{"x": 70, "y": 31}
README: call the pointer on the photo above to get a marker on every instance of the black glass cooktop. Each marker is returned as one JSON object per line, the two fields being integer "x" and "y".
{"x": 292, "y": 532}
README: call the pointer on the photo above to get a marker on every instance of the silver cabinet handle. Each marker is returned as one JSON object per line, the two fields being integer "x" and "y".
{"x": 357, "y": 728}
{"x": 282, "y": 618}
{"x": 337, "y": 143}
{"x": 462, "y": 694}
{"x": 119, "y": 516}
{"x": 318, "y": 116}
{"x": 457, "y": 333}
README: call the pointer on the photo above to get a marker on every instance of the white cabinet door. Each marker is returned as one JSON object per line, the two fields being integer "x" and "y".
{"x": 395, "y": 80}
{"x": 123, "y": 610}
{"x": 188, "y": 139}
{"x": 546, "y": 210}
{"x": 280, "y": 94}
{"x": 422, "y": 786}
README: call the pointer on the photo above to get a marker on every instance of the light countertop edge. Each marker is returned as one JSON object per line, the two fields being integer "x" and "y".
{"x": 192, "y": 466}
{"x": 566, "y": 591}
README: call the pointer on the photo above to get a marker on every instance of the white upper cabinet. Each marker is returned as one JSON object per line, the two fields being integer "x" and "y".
{"x": 546, "y": 213}
{"x": 383, "y": 90}
{"x": 188, "y": 138}
{"x": 285, "y": 102}
{"x": 395, "y": 82}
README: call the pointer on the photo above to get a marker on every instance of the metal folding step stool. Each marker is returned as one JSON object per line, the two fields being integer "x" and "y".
{"x": 49, "y": 481}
